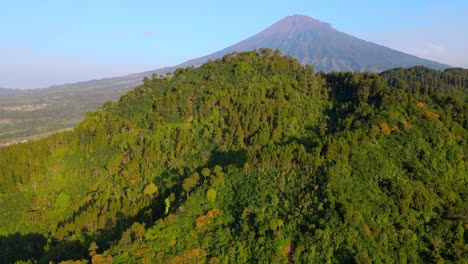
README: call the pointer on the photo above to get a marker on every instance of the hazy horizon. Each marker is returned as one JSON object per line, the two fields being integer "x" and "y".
{"x": 60, "y": 43}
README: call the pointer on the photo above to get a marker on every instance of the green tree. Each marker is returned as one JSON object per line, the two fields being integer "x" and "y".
{"x": 93, "y": 247}
{"x": 211, "y": 195}
{"x": 151, "y": 190}
{"x": 191, "y": 182}
{"x": 167, "y": 202}
{"x": 62, "y": 202}
{"x": 206, "y": 172}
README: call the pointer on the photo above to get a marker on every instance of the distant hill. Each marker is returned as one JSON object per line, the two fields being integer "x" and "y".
{"x": 318, "y": 44}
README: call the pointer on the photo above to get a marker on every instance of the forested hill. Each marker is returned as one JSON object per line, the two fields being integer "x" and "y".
{"x": 250, "y": 158}
{"x": 421, "y": 79}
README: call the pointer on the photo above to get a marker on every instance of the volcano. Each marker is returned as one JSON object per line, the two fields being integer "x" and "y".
{"x": 320, "y": 45}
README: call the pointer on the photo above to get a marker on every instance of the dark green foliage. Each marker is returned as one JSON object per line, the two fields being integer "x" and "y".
{"x": 249, "y": 159}
{"x": 424, "y": 81}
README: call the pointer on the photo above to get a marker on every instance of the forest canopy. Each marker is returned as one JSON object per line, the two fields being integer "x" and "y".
{"x": 250, "y": 158}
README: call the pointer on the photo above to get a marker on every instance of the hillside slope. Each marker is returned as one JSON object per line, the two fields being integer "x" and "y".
{"x": 252, "y": 158}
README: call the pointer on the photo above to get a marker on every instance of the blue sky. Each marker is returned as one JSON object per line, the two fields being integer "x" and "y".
{"x": 45, "y": 42}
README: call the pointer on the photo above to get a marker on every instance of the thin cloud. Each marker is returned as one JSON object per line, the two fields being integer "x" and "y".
{"x": 118, "y": 34}
{"x": 438, "y": 43}
{"x": 429, "y": 50}
{"x": 148, "y": 32}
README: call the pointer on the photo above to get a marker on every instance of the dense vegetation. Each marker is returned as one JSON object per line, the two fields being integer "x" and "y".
{"x": 252, "y": 158}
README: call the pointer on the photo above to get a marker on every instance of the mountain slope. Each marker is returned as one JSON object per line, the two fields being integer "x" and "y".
{"x": 249, "y": 159}
{"x": 323, "y": 47}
